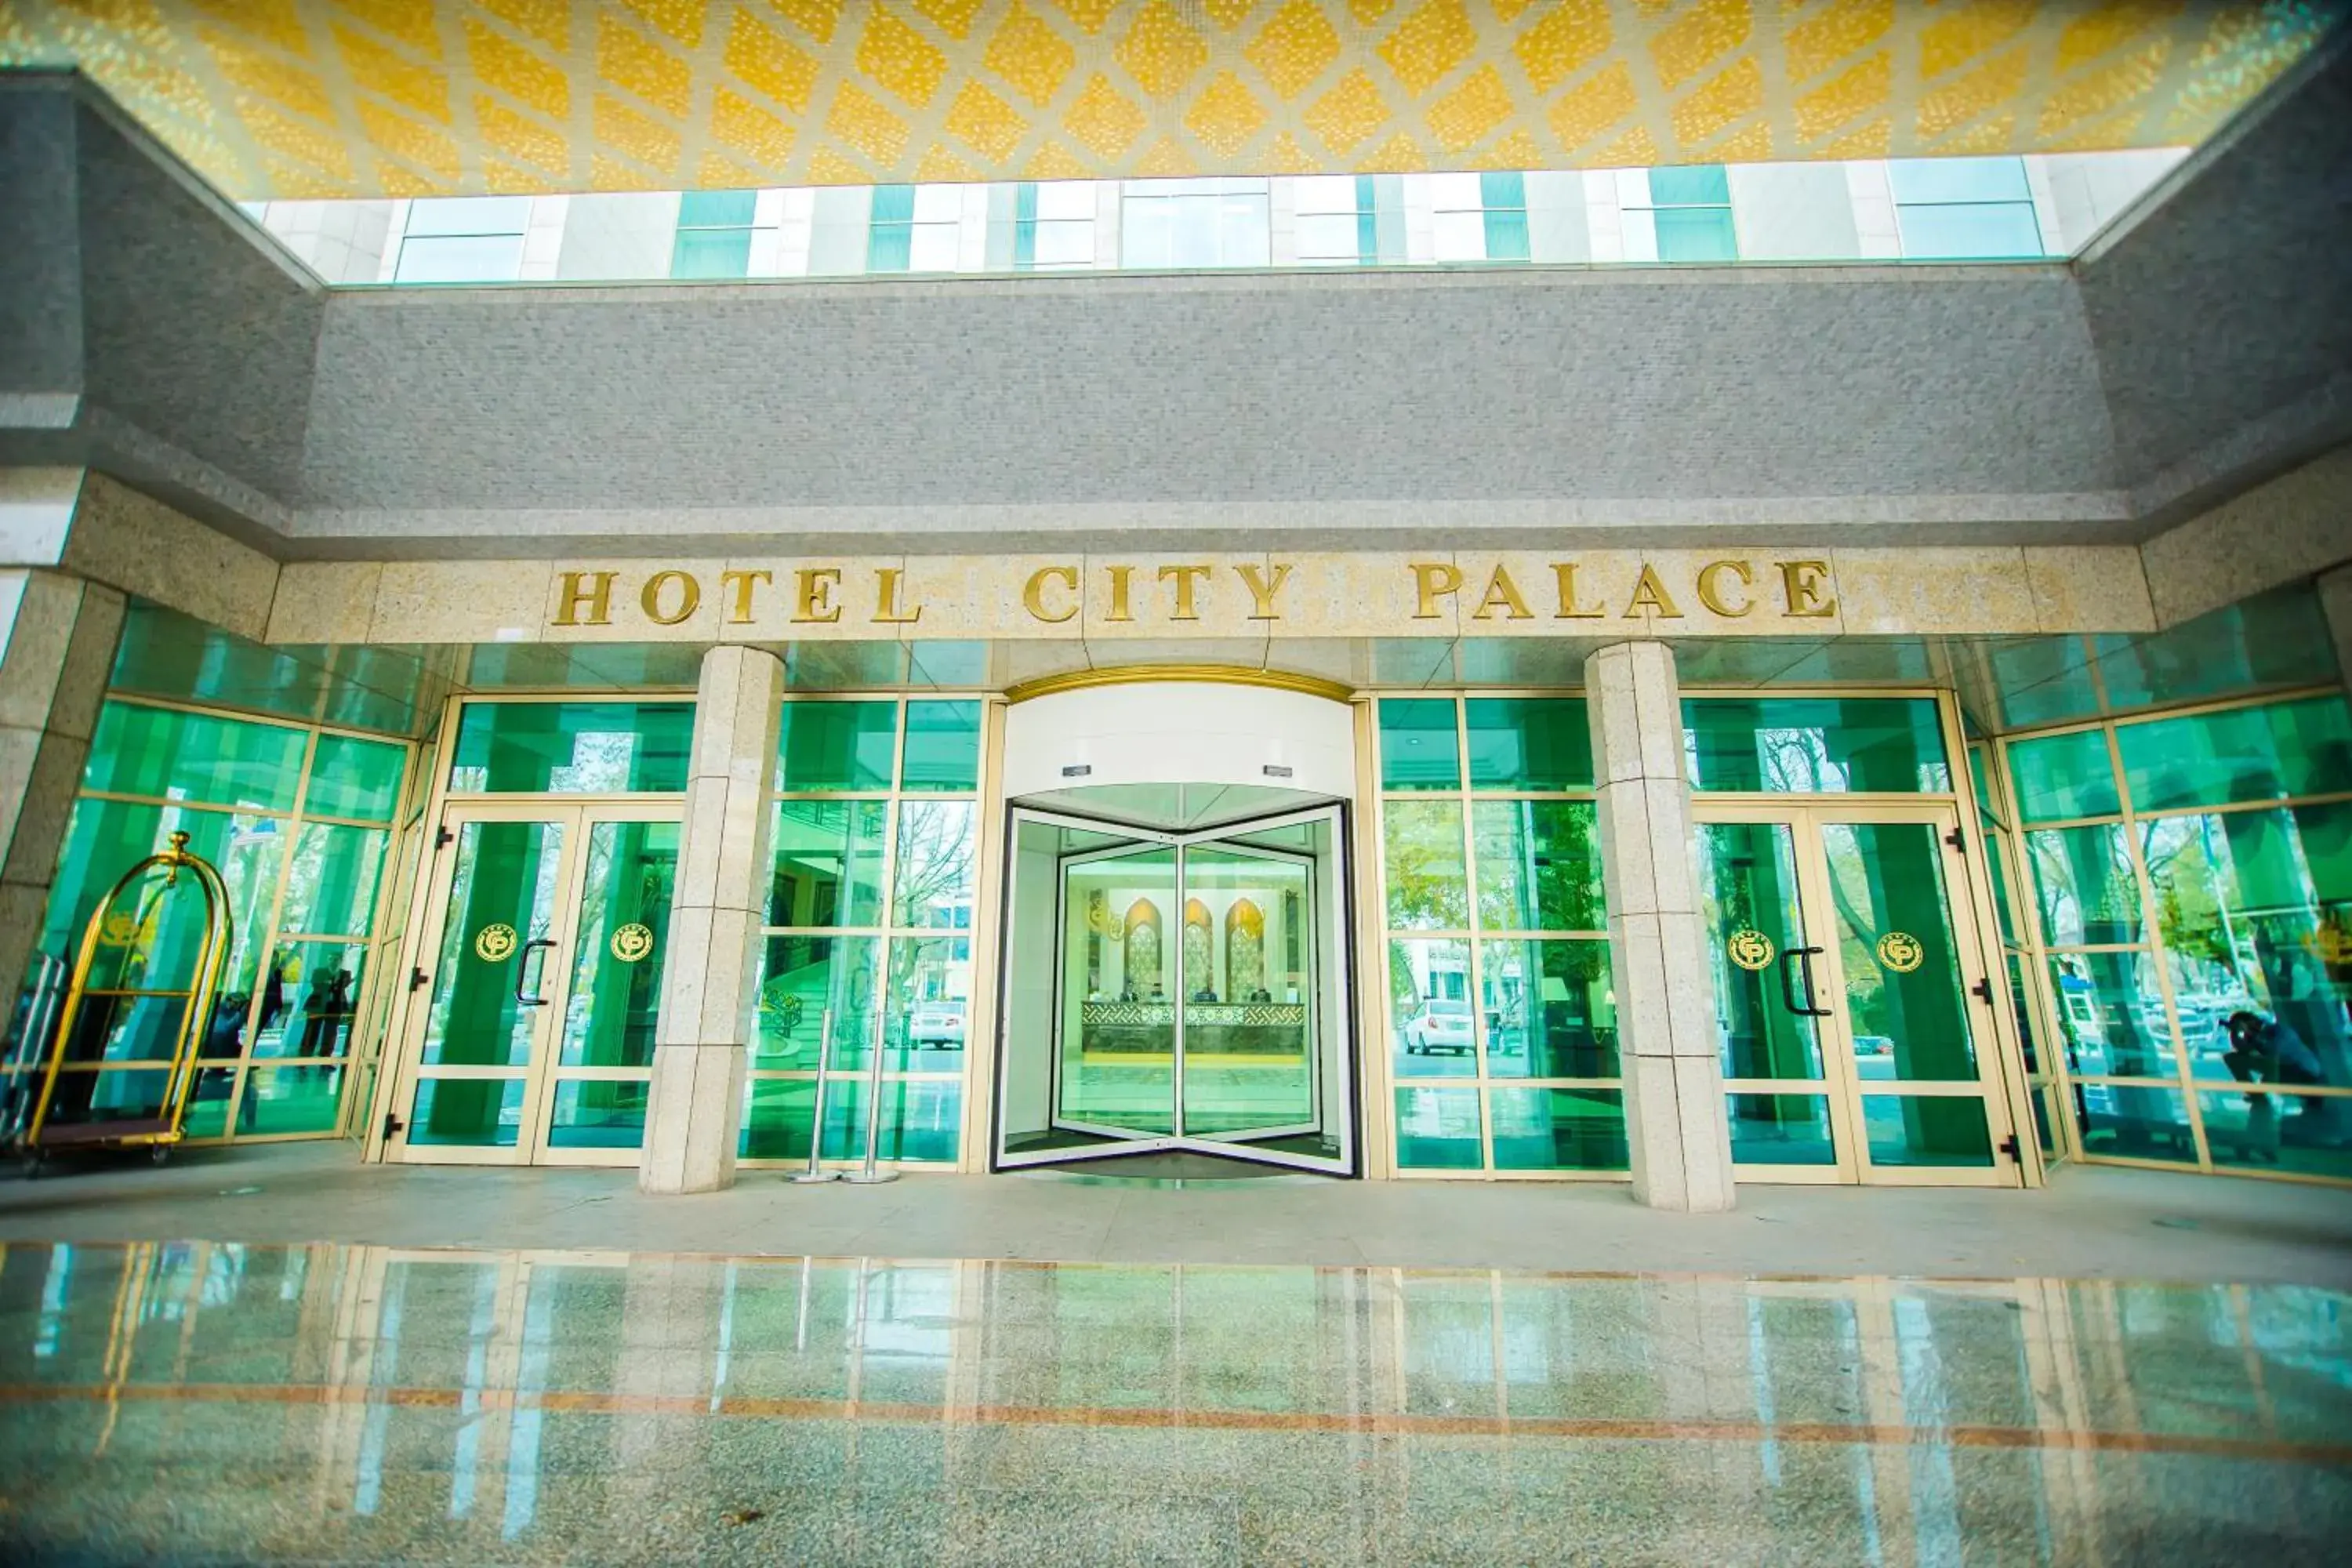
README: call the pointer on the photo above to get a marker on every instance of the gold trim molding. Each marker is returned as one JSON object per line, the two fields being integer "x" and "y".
{"x": 1205, "y": 674}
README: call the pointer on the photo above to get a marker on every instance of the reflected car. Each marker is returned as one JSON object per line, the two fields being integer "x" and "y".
{"x": 1442, "y": 1025}
{"x": 937, "y": 1026}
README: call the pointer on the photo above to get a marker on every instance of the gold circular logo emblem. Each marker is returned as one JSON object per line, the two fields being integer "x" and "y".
{"x": 1900, "y": 951}
{"x": 118, "y": 929}
{"x": 1749, "y": 948}
{"x": 493, "y": 943}
{"x": 632, "y": 942}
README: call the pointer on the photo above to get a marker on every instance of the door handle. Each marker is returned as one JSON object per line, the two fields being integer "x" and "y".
{"x": 530, "y": 998}
{"x": 1790, "y": 961}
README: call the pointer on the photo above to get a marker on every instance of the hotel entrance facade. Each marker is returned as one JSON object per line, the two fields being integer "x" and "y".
{"x": 1691, "y": 906}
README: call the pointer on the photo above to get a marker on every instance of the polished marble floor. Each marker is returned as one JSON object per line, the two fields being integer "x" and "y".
{"x": 212, "y": 1402}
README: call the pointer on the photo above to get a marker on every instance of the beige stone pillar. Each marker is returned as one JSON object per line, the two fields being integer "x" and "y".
{"x": 1675, "y": 1116}
{"x": 56, "y": 649}
{"x": 701, "y": 1040}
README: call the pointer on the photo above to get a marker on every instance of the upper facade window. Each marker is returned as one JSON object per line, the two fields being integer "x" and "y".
{"x": 463, "y": 239}
{"x": 1964, "y": 208}
{"x": 1195, "y": 223}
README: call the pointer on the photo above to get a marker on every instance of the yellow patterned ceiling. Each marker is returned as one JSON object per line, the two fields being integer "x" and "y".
{"x": 356, "y": 98}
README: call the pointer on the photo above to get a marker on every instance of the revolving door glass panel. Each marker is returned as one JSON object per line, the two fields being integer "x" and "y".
{"x": 1170, "y": 991}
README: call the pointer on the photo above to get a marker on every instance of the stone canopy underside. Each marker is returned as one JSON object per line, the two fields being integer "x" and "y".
{"x": 285, "y": 99}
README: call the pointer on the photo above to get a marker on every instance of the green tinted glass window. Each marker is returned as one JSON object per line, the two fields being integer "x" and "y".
{"x": 195, "y": 756}
{"x": 2238, "y": 754}
{"x": 1530, "y": 743}
{"x": 355, "y": 778}
{"x": 1437, "y": 1130}
{"x": 943, "y": 746}
{"x": 2062, "y": 777}
{"x": 1417, "y": 744}
{"x": 1538, "y": 866}
{"x": 2084, "y": 885}
{"x": 1428, "y": 889}
{"x": 330, "y": 886}
{"x": 1815, "y": 745}
{"x": 826, "y": 746}
{"x": 572, "y": 747}
{"x": 1559, "y": 1129}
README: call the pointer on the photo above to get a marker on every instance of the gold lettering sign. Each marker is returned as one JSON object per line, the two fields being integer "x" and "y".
{"x": 1609, "y": 586}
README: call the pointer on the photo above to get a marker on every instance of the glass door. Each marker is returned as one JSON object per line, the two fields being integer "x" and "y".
{"x": 1854, "y": 1008}
{"x": 1116, "y": 1056}
{"x": 1249, "y": 995}
{"x": 535, "y": 1042}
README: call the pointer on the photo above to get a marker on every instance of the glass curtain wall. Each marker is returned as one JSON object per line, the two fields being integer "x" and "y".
{"x": 870, "y": 927}
{"x": 1997, "y": 822}
{"x": 2191, "y": 876}
{"x": 1502, "y": 1016}
{"x": 299, "y": 820}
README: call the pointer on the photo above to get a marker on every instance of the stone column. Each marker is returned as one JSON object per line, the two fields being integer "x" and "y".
{"x": 701, "y": 1039}
{"x": 56, "y": 649}
{"x": 1675, "y": 1116}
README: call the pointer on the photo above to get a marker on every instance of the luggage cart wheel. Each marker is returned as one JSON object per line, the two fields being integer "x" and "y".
{"x": 29, "y": 1162}
{"x": 159, "y": 1154}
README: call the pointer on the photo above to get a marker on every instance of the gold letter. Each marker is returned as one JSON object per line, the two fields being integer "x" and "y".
{"x": 887, "y": 610}
{"x": 1501, "y": 590}
{"x": 1185, "y": 577}
{"x": 1263, "y": 592}
{"x": 687, "y": 602}
{"x": 812, "y": 603}
{"x": 1565, "y": 571}
{"x": 1119, "y": 577}
{"x": 739, "y": 615}
{"x": 1800, "y": 582}
{"x": 597, "y": 597}
{"x": 1649, "y": 591}
{"x": 1712, "y": 597}
{"x": 1430, "y": 579}
{"x": 1033, "y": 598}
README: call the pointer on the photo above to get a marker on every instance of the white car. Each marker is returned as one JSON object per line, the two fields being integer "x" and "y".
{"x": 1442, "y": 1025}
{"x": 937, "y": 1026}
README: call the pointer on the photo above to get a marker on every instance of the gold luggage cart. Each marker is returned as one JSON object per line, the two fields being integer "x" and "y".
{"x": 119, "y": 1018}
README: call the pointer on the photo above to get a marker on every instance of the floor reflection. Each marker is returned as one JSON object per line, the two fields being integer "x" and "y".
{"x": 379, "y": 1405}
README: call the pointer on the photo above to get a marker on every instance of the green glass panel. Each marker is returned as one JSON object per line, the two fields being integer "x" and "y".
{"x": 1754, "y": 919}
{"x": 2279, "y": 638}
{"x": 1996, "y": 843}
{"x": 164, "y": 753}
{"x": 309, "y": 1000}
{"x": 355, "y": 778}
{"x": 2111, "y": 1015}
{"x": 779, "y": 1112}
{"x": 2084, "y": 885}
{"x": 711, "y": 253}
{"x": 123, "y": 1095}
{"x": 621, "y": 945}
{"x": 2062, "y": 777}
{"x": 290, "y": 1100}
{"x": 1249, "y": 1057}
{"x": 106, "y": 838}
{"x": 572, "y": 747}
{"x": 828, "y": 863}
{"x": 717, "y": 209}
{"x": 833, "y": 746}
{"x": 943, "y": 746}
{"x": 114, "y": 1028}
{"x": 926, "y": 1015}
{"x": 1558, "y": 1129}
{"x": 2238, "y": 754}
{"x": 1539, "y": 865}
{"x": 1550, "y": 1009}
{"x": 1904, "y": 994}
{"x": 2254, "y": 908}
{"x": 494, "y": 946}
{"x": 597, "y": 1114}
{"x": 2134, "y": 1121}
{"x": 1437, "y": 1130}
{"x": 1919, "y": 1130}
{"x": 1428, "y": 885}
{"x": 477, "y": 1113}
{"x": 331, "y": 887}
{"x": 2048, "y": 1114}
{"x": 922, "y": 1120}
{"x": 1696, "y": 234}
{"x": 1815, "y": 745}
{"x": 1124, "y": 913}
{"x": 816, "y": 1001}
{"x": 1528, "y": 743}
{"x": 1434, "y": 1031}
{"x": 1690, "y": 184}
{"x": 103, "y": 839}
{"x": 1418, "y": 746}
{"x": 935, "y": 865}
{"x": 2258, "y": 1131}
{"x": 207, "y": 1113}
{"x": 1781, "y": 1130}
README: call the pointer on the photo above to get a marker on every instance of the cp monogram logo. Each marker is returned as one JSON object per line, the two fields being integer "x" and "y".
{"x": 1900, "y": 951}
{"x": 632, "y": 942}
{"x": 493, "y": 943}
{"x": 1749, "y": 948}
